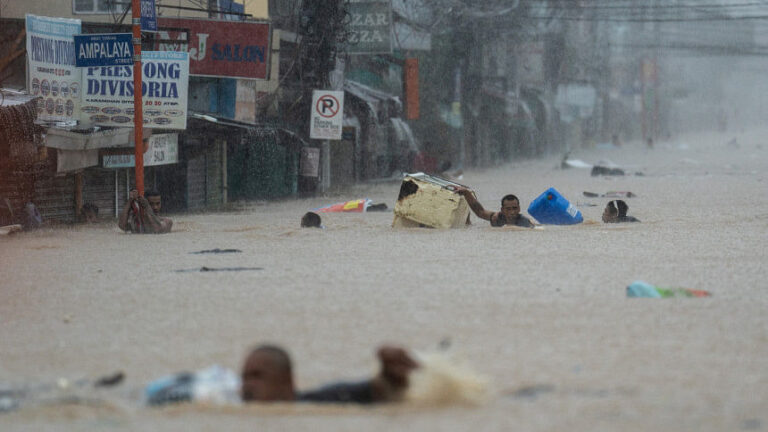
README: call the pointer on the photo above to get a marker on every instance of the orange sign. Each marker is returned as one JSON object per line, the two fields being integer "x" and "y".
{"x": 411, "y": 71}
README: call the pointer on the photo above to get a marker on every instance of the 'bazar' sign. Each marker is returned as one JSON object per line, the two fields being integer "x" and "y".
{"x": 370, "y": 27}
{"x": 231, "y": 49}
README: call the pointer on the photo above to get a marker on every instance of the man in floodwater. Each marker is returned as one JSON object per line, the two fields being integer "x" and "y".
{"x": 139, "y": 215}
{"x": 616, "y": 212}
{"x": 267, "y": 376}
{"x": 508, "y": 215}
{"x": 311, "y": 220}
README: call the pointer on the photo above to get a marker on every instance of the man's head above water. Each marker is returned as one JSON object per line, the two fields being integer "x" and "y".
{"x": 614, "y": 210}
{"x": 267, "y": 375}
{"x": 510, "y": 207}
{"x": 155, "y": 202}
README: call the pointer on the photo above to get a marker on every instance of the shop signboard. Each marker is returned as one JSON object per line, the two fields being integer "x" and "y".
{"x": 223, "y": 49}
{"x": 162, "y": 149}
{"x": 53, "y": 75}
{"x": 108, "y": 92}
{"x": 370, "y": 27}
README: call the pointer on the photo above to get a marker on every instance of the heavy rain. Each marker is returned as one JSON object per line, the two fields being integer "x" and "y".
{"x": 425, "y": 215}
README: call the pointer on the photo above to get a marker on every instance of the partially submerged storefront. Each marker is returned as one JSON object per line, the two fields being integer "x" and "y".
{"x": 20, "y": 154}
{"x": 96, "y": 165}
{"x": 259, "y": 161}
{"x": 384, "y": 143}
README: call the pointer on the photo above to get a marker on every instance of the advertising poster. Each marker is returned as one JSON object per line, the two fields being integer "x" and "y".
{"x": 108, "y": 92}
{"x": 227, "y": 49}
{"x": 52, "y": 72}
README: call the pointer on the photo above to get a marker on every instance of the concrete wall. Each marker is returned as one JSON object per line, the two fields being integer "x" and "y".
{"x": 257, "y": 8}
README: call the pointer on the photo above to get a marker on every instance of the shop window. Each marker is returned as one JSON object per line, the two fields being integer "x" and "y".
{"x": 95, "y": 6}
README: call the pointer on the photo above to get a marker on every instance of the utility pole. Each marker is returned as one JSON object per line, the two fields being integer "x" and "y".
{"x": 138, "y": 122}
{"x": 656, "y": 49}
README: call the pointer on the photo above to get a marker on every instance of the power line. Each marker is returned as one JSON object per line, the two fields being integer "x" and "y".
{"x": 643, "y": 20}
{"x": 634, "y": 7}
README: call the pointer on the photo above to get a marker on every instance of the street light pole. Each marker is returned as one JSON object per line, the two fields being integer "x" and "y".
{"x": 138, "y": 122}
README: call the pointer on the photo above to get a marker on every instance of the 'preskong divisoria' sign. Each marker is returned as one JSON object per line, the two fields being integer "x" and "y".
{"x": 108, "y": 92}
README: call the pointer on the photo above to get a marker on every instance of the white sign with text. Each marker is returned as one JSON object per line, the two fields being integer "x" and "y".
{"x": 327, "y": 114}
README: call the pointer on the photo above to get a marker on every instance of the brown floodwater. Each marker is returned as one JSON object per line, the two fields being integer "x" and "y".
{"x": 543, "y": 314}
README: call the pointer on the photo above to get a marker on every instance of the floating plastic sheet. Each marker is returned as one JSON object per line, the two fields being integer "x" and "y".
{"x": 353, "y": 206}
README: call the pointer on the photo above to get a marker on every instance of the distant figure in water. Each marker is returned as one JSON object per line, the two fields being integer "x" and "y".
{"x": 89, "y": 213}
{"x": 649, "y": 142}
{"x": 311, "y": 220}
{"x": 139, "y": 215}
{"x": 267, "y": 376}
{"x": 508, "y": 215}
{"x": 616, "y": 212}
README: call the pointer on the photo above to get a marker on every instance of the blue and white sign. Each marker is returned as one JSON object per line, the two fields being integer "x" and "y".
{"x": 108, "y": 49}
{"x": 52, "y": 74}
{"x": 148, "y": 16}
{"x": 108, "y": 92}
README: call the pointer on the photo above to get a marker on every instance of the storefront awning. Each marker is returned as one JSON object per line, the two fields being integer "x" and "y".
{"x": 374, "y": 99}
{"x": 210, "y": 122}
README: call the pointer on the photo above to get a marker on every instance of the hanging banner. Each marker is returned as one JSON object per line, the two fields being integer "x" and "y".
{"x": 226, "y": 49}
{"x": 108, "y": 92}
{"x": 52, "y": 72}
{"x": 327, "y": 114}
{"x": 148, "y": 15}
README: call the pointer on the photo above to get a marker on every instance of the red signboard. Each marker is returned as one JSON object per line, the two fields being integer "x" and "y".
{"x": 230, "y": 49}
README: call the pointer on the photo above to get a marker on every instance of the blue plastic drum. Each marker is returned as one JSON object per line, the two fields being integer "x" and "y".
{"x": 551, "y": 208}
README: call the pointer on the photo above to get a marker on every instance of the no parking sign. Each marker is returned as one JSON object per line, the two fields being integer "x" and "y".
{"x": 327, "y": 114}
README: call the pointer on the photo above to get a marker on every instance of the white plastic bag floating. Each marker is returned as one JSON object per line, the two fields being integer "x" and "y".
{"x": 215, "y": 385}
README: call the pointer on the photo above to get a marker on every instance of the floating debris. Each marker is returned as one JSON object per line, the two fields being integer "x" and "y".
{"x": 110, "y": 380}
{"x": 533, "y": 391}
{"x": 215, "y": 269}
{"x": 216, "y": 251}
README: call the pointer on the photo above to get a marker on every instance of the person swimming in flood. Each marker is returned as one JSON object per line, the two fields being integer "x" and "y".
{"x": 267, "y": 376}
{"x": 140, "y": 214}
{"x": 508, "y": 215}
{"x": 616, "y": 212}
{"x": 311, "y": 220}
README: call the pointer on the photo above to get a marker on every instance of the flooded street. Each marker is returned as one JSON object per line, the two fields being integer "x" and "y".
{"x": 542, "y": 313}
